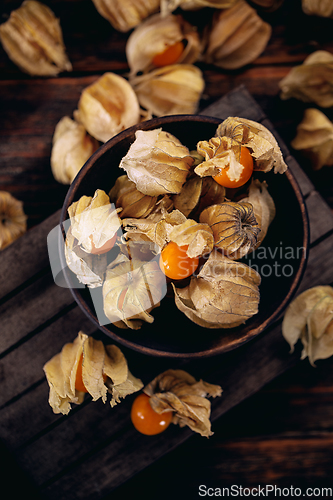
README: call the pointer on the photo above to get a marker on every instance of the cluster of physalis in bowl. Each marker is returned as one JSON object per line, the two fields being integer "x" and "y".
{"x": 179, "y": 221}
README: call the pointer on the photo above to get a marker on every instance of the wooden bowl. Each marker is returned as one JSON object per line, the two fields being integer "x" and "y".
{"x": 172, "y": 334}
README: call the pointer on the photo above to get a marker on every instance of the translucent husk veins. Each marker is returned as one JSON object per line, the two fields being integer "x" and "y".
{"x": 108, "y": 106}
{"x": 124, "y": 15}
{"x": 234, "y": 226}
{"x": 153, "y": 36}
{"x": 311, "y": 81}
{"x": 187, "y": 398}
{"x": 314, "y": 138}
{"x": 131, "y": 290}
{"x": 71, "y": 148}
{"x": 104, "y": 370}
{"x": 309, "y": 318}
{"x": 157, "y": 162}
{"x": 33, "y": 40}
{"x": 236, "y": 37}
{"x": 170, "y": 90}
{"x": 224, "y": 294}
{"x": 13, "y": 221}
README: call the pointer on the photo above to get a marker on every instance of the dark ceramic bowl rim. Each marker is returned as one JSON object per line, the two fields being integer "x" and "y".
{"x": 157, "y": 122}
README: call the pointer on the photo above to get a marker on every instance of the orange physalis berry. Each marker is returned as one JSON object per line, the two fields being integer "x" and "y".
{"x": 145, "y": 419}
{"x": 169, "y": 56}
{"x": 247, "y": 161}
{"x": 175, "y": 263}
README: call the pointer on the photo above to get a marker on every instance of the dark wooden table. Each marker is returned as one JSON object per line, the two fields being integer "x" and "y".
{"x": 273, "y": 424}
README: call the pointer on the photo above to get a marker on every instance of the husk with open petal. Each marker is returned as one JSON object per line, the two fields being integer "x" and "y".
{"x": 155, "y": 228}
{"x": 108, "y": 106}
{"x": 157, "y": 162}
{"x": 311, "y": 81}
{"x": 261, "y": 142}
{"x": 220, "y": 153}
{"x": 88, "y": 268}
{"x": 309, "y": 318}
{"x": 224, "y": 294}
{"x": 234, "y": 226}
{"x": 126, "y": 14}
{"x": 98, "y": 361}
{"x": 322, "y": 8}
{"x": 197, "y": 236}
{"x": 94, "y": 221}
{"x": 263, "y": 207}
{"x": 156, "y": 34}
{"x": 132, "y": 202}
{"x": 32, "y": 38}
{"x": 13, "y": 220}
{"x": 236, "y": 36}
{"x": 170, "y": 90}
{"x": 314, "y": 138}
{"x": 181, "y": 393}
{"x": 71, "y": 148}
{"x": 131, "y": 290}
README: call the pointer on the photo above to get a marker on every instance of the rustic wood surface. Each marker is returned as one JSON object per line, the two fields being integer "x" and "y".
{"x": 281, "y": 435}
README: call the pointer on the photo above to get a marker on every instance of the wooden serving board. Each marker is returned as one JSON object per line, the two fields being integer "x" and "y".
{"x": 95, "y": 449}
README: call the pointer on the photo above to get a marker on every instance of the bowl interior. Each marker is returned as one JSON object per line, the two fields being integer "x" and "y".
{"x": 280, "y": 260}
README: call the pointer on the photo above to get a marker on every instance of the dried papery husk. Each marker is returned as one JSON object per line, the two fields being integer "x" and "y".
{"x": 94, "y": 221}
{"x": 157, "y": 162}
{"x": 171, "y": 90}
{"x": 234, "y": 226}
{"x": 263, "y": 207}
{"x": 261, "y": 142}
{"x": 132, "y": 202}
{"x": 32, "y": 38}
{"x": 168, "y": 6}
{"x": 224, "y": 294}
{"x": 156, "y": 34}
{"x": 311, "y": 81}
{"x": 98, "y": 361}
{"x": 88, "y": 268}
{"x": 155, "y": 228}
{"x": 314, "y": 138}
{"x": 181, "y": 393}
{"x": 309, "y": 318}
{"x": 131, "y": 290}
{"x": 189, "y": 196}
{"x": 211, "y": 193}
{"x": 322, "y": 8}
{"x": 108, "y": 106}
{"x": 220, "y": 153}
{"x": 124, "y": 15}
{"x": 71, "y": 148}
{"x": 198, "y": 237}
{"x": 197, "y": 193}
{"x": 13, "y": 221}
{"x": 236, "y": 37}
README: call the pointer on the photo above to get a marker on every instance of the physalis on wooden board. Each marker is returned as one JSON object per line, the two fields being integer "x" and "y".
{"x": 32, "y": 38}
{"x": 181, "y": 228}
{"x": 84, "y": 366}
{"x": 175, "y": 397}
{"x": 13, "y": 221}
{"x": 309, "y": 318}
{"x": 314, "y": 138}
